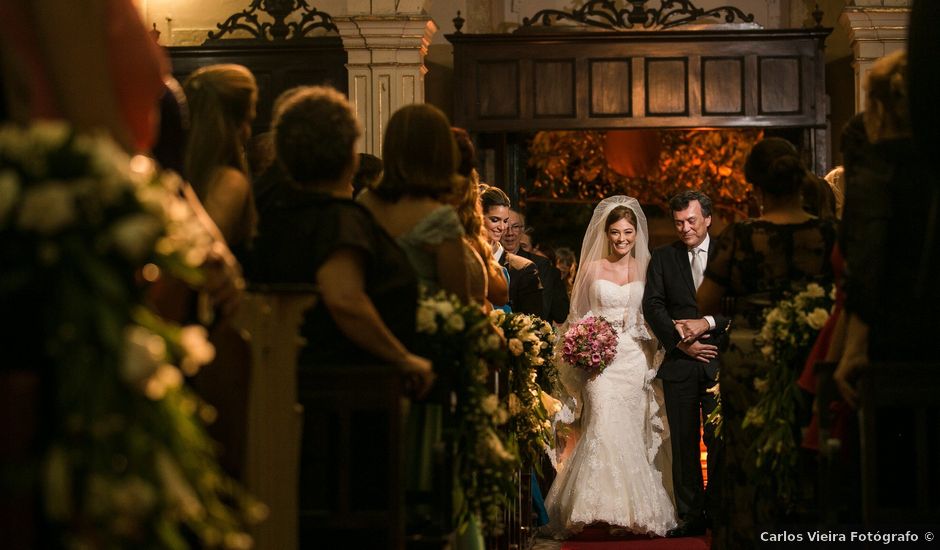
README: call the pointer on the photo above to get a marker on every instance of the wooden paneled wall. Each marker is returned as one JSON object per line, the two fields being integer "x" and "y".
{"x": 662, "y": 79}
{"x": 276, "y": 66}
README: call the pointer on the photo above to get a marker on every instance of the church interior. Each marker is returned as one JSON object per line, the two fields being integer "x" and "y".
{"x": 183, "y": 375}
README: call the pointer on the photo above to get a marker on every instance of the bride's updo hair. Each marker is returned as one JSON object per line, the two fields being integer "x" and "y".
{"x": 774, "y": 166}
{"x": 620, "y": 213}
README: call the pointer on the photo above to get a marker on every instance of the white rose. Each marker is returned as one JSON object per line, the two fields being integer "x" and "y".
{"x": 515, "y": 346}
{"x": 493, "y": 341}
{"x": 47, "y": 208}
{"x": 514, "y": 406}
{"x": 166, "y": 378}
{"x": 134, "y": 236}
{"x": 496, "y": 448}
{"x": 197, "y": 350}
{"x": 813, "y": 290}
{"x": 143, "y": 352}
{"x": 817, "y": 318}
{"x": 427, "y": 321}
{"x": 9, "y": 193}
{"x": 49, "y": 133}
{"x": 455, "y": 323}
{"x": 444, "y": 308}
{"x": 154, "y": 200}
{"x": 489, "y": 404}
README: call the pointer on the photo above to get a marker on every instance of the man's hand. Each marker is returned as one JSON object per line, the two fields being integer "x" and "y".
{"x": 699, "y": 351}
{"x": 691, "y": 329}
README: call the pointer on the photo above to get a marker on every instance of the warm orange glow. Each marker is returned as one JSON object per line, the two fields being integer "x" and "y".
{"x": 651, "y": 165}
{"x": 632, "y": 153}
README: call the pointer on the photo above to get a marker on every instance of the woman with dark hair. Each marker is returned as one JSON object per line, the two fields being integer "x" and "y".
{"x": 756, "y": 262}
{"x": 890, "y": 234}
{"x": 525, "y": 288}
{"x": 410, "y": 201}
{"x": 222, "y": 100}
{"x": 314, "y": 233}
{"x": 567, "y": 263}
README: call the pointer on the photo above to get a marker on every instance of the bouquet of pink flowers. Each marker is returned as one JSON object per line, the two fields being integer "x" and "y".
{"x": 590, "y": 345}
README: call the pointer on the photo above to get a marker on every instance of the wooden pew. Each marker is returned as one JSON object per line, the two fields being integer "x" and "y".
{"x": 270, "y": 317}
{"x": 352, "y": 471}
{"x": 899, "y": 417}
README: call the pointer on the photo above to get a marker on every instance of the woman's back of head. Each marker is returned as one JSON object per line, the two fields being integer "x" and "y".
{"x": 419, "y": 153}
{"x": 221, "y": 101}
{"x": 315, "y": 133}
{"x": 886, "y": 107}
{"x": 774, "y": 166}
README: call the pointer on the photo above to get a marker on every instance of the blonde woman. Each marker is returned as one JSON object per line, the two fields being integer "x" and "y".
{"x": 222, "y": 101}
{"x": 488, "y": 284}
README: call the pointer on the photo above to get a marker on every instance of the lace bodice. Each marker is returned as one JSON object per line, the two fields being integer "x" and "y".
{"x": 621, "y": 305}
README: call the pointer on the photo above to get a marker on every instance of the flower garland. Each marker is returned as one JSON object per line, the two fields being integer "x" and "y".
{"x": 464, "y": 346}
{"x": 125, "y": 458}
{"x": 530, "y": 341}
{"x": 785, "y": 340}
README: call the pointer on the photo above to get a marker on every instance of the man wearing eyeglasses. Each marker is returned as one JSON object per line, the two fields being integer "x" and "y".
{"x": 554, "y": 295}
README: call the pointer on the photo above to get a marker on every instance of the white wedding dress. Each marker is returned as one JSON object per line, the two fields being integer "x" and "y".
{"x": 614, "y": 473}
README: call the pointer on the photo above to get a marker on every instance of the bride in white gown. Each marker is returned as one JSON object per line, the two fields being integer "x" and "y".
{"x": 611, "y": 469}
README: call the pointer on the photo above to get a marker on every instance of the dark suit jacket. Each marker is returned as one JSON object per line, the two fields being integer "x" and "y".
{"x": 525, "y": 288}
{"x": 554, "y": 294}
{"x": 669, "y": 296}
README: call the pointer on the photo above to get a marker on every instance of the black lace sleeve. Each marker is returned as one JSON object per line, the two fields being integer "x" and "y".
{"x": 721, "y": 259}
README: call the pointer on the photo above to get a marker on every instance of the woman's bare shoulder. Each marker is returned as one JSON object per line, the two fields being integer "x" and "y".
{"x": 227, "y": 179}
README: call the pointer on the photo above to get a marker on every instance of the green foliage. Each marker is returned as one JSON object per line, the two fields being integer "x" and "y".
{"x": 125, "y": 461}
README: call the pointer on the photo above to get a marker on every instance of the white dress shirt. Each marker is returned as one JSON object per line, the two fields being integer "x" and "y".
{"x": 703, "y": 257}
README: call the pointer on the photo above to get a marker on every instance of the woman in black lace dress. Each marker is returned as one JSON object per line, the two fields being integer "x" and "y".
{"x": 756, "y": 262}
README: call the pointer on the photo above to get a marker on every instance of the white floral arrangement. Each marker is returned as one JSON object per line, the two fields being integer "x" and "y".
{"x": 789, "y": 331}
{"x": 530, "y": 341}
{"x": 126, "y": 461}
{"x": 466, "y": 348}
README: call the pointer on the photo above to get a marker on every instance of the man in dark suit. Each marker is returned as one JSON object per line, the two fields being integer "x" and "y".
{"x": 554, "y": 295}
{"x": 690, "y": 368}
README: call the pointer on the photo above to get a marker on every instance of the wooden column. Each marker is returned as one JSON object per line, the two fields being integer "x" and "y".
{"x": 386, "y": 67}
{"x": 876, "y": 28}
